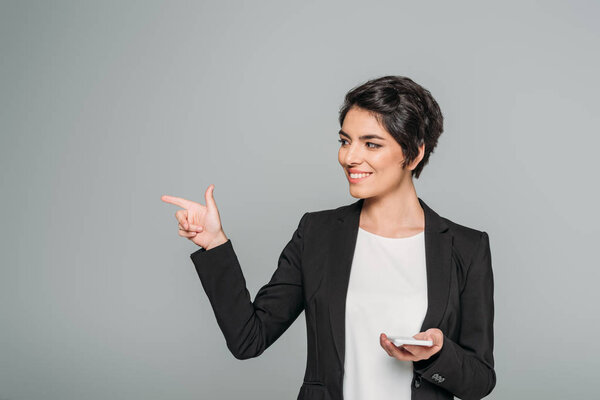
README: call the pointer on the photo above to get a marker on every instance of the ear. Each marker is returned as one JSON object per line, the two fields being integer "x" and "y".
{"x": 419, "y": 157}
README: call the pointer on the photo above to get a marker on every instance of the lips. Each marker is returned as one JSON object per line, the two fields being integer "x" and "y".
{"x": 357, "y": 180}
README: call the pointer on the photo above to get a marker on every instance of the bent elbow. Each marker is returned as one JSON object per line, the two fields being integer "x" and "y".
{"x": 242, "y": 356}
{"x": 481, "y": 390}
{"x": 492, "y": 382}
{"x": 245, "y": 352}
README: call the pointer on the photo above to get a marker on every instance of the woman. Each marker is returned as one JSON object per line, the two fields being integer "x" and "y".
{"x": 386, "y": 264}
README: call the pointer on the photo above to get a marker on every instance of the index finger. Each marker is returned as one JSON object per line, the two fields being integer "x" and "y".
{"x": 178, "y": 201}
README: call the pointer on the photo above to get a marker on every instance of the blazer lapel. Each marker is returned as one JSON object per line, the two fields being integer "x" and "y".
{"x": 438, "y": 250}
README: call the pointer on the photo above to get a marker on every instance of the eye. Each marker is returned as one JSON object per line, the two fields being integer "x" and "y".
{"x": 375, "y": 145}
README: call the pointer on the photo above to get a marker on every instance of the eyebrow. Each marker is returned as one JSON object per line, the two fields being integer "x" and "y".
{"x": 363, "y": 137}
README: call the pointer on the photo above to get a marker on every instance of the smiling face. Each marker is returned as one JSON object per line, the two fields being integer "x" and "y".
{"x": 367, "y": 147}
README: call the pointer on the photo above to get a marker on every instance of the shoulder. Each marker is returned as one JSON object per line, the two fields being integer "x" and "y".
{"x": 466, "y": 241}
{"x": 463, "y": 233}
{"x": 329, "y": 216}
{"x": 468, "y": 244}
{"x": 329, "y": 213}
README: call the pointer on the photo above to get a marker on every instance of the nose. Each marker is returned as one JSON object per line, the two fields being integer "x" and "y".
{"x": 353, "y": 155}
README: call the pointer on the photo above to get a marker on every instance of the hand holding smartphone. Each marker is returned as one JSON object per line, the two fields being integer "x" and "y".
{"x": 401, "y": 340}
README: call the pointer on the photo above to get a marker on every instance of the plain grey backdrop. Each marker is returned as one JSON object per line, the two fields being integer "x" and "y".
{"x": 106, "y": 106}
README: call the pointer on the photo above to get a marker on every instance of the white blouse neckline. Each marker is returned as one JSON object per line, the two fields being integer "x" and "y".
{"x": 388, "y": 238}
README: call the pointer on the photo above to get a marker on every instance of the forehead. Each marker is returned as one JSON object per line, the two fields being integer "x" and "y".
{"x": 360, "y": 122}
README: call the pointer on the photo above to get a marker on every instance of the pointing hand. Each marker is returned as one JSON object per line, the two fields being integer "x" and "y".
{"x": 201, "y": 224}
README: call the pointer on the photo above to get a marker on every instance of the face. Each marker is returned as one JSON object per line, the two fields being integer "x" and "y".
{"x": 367, "y": 147}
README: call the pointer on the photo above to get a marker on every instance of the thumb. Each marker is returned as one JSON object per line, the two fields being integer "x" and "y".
{"x": 421, "y": 336}
{"x": 210, "y": 200}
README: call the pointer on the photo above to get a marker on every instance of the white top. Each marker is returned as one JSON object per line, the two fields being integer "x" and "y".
{"x": 387, "y": 293}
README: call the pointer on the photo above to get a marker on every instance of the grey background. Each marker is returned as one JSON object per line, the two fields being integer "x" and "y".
{"x": 106, "y": 106}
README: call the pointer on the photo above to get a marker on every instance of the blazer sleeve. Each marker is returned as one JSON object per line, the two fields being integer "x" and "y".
{"x": 251, "y": 327}
{"x": 466, "y": 367}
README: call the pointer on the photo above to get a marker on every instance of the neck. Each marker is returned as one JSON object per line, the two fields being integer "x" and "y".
{"x": 395, "y": 213}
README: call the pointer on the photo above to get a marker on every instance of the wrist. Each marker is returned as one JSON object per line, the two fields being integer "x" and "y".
{"x": 217, "y": 241}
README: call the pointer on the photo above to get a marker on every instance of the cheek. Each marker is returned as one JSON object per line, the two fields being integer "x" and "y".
{"x": 389, "y": 172}
{"x": 384, "y": 164}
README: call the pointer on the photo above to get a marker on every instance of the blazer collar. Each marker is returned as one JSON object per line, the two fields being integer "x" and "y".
{"x": 438, "y": 253}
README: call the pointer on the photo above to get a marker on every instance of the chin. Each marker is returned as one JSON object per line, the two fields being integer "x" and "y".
{"x": 358, "y": 194}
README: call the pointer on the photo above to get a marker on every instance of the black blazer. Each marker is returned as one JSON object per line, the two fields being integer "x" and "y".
{"x": 312, "y": 274}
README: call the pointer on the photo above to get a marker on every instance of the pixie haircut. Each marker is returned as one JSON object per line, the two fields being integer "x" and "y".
{"x": 403, "y": 108}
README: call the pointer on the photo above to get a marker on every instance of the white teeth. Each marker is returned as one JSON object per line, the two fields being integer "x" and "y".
{"x": 356, "y": 176}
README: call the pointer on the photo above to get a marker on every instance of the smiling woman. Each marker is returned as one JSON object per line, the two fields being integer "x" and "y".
{"x": 401, "y": 110}
{"x": 390, "y": 126}
{"x": 387, "y": 263}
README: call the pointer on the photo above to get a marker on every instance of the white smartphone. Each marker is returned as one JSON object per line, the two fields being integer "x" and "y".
{"x": 400, "y": 340}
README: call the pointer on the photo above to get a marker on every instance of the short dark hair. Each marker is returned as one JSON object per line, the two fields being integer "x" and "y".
{"x": 405, "y": 109}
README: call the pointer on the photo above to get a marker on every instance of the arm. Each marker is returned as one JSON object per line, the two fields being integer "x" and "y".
{"x": 466, "y": 367}
{"x": 251, "y": 327}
